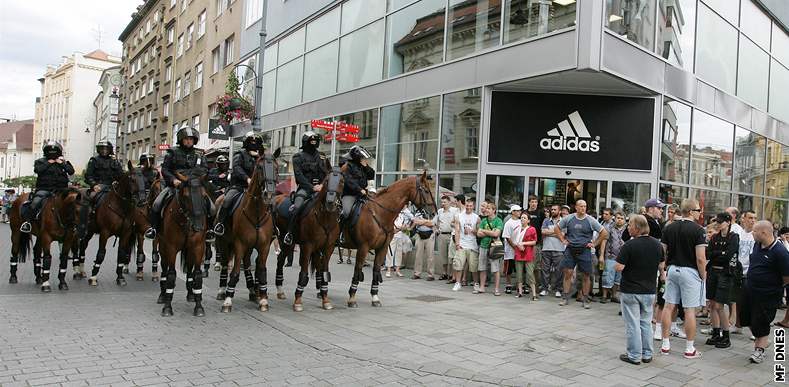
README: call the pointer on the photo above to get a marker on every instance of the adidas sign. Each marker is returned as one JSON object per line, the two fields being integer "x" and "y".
{"x": 564, "y": 138}
{"x": 219, "y": 131}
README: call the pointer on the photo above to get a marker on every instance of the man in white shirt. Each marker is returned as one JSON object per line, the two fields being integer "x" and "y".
{"x": 511, "y": 230}
{"x": 444, "y": 222}
{"x": 466, "y": 243}
{"x": 745, "y": 232}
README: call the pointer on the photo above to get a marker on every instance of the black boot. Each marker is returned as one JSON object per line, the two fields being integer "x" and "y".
{"x": 724, "y": 341}
{"x": 715, "y": 337}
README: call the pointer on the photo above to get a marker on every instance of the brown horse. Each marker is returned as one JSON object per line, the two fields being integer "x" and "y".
{"x": 58, "y": 222}
{"x": 316, "y": 235}
{"x": 374, "y": 229}
{"x": 114, "y": 217}
{"x": 141, "y": 224}
{"x": 184, "y": 226}
{"x": 250, "y": 227}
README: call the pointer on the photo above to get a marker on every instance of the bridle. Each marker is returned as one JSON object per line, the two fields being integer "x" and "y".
{"x": 264, "y": 166}
{"x": 421, "y": 191}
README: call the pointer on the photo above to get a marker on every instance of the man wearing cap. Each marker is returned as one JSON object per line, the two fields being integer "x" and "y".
{"x": 722, "y": 252}
{"x": 654, "y": 214}
{"x": 510, "y": 232}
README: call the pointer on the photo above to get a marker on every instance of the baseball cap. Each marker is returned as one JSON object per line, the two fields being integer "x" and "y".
{"x": 515, "y": 207}
{"x": 654, "y": 202}
{"x": 723, "y": 217}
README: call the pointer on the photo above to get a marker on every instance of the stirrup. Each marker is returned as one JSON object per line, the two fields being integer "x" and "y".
{"x": 26, "y": 227}
{"x": 341, "y": 239}
{"x": 150, "y": 233}
{"x": 210, "y": 236}
{"x": 288, "y": 239}
{"x": 219, "y": 229}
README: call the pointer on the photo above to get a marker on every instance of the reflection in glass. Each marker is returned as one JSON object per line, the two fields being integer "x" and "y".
{"x": 777, "y": 170}
{"x": 675, "y": 145}
{"x": 779, "y": 91}
{"x": 629, "y": 197}
{"x": 634, "y": 20}
{"x": 756, "y": 24}
{"x": 415, "y": 37}
{"x": 291, "y": 46}
{"x": 676, "y": 32}
{"x": 748, "y": 161}
{"x": 460, "y": 132}
{"x": 753, "y": 71}
{"x": 525, "y": 19}
{"x": 320, "y": 72}
{"x": 409, "y": 135}
{"x": 270, "y": 60}
{"x": 710, "y": 202}
{"x": 749, "y": 203}
{"x": 367, "y": 121}
{"x": 361, "y": 56}
{"x": 776, "y": 211}
{"x": 505, "y": 191}
{"x": 672, "y": 194}
{"x": 324, "y": 29}
{"x": 356, "y": 13}
{"x": 269, "y": 87}
{"x": 474, "y": 26}
{"x": 711, "y": 164}
{"x": 716, "y": 50}
{"x": 289, "y": 79}
{"x": 780, "y": 44}
{"x": 729, "y": 9}
{"x": 456, "y": 183}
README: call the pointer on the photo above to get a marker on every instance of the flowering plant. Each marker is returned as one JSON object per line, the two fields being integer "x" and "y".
{"x": 232, "y": 105}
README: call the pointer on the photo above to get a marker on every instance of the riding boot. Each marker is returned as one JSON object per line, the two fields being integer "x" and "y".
{"x": 153, "y": 219}
{"x": 84, "y": 211}
{"x": 219, "y": 227}
{"x": 288, "y": 238}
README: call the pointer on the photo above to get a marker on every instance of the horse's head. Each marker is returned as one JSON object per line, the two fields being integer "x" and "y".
{"x": 422, "y": 197}
{"x": 69, "y": 206}
{"x": 190, "y": 197}
{"x": 136, "y": 183}
{"x": 265, "y": 175}
{"x": 333, "y": 188}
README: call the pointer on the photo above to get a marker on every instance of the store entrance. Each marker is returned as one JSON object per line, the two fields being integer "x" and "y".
{"x": 568, "y": 191}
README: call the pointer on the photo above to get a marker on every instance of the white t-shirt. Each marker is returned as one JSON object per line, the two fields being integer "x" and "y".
{"x": 468, "y": 222}
{"x": 746, "y": 247}
{"x": 443, "y": 219}
{"x": 511, "y": 230}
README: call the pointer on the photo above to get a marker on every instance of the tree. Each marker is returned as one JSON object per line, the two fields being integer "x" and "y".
{"x": 21, "y": 181}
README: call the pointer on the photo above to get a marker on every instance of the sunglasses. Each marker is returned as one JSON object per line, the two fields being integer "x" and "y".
{"x": 696, "y": 210}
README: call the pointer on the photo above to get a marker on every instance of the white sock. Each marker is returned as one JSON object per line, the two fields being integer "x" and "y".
{"x": 666, "y": 344}
{"x": 659, "y": 328}
{"x": 689, "y": 348}
{"x": 674, "y": 325}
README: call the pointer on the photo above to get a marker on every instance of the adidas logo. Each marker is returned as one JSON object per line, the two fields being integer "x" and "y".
{"x": 219, "y": 130}
{"x": 564, "y": 138}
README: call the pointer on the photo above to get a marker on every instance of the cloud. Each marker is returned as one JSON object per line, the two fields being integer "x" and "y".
{"x": 36, "y": 33}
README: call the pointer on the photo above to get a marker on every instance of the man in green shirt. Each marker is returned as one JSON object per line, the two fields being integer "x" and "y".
{"x": 489, "y": 231}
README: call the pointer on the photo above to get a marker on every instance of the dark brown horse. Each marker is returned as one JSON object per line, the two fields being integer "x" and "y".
{"x": 58, "y": 222}
{"x": 250, "y": 227}
{"x": 316, "y": 235}
{"x": 114, "y": 217}
{"x": 183, "y": 230}
{"x": 141, "y": 224}
{"x": 374, "y": 229}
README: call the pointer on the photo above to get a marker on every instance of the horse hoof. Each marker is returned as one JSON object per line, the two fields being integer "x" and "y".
{"x": 139, "y": 276}
{"x": 199, "y": 311}
{"x": 281, "y": 296}
{"x": 13, "y": 280}
{"x": 353, "y": 304}
{"x": 62, "y": 286}
{"x": 227, "y": 308}
{"x": 77, "y": 276}
{"x": 93, "y": 282}
{"x": 298, "y": 307}
{"x": 220, "y": 296}
{"x": 167, "y": 311}
{"x": 160, "y": 300}
{"x": 328, "y": 306}
{"x": 376, "y": 303}
{"x": 125, "y": 270}
{"x": 253, "y": 297}
{"x": 46, "y": 288}
{"x": 154, "y": 277}
{"x": 120, "y": 282}
{"x": 263, "y": 308}
{"x": 190, "y": 297}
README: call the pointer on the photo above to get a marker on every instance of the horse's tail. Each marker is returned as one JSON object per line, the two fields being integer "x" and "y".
{"x": 24, "y": 246}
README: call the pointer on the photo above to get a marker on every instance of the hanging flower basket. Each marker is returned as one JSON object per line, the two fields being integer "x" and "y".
{"x": 231, "y": 105}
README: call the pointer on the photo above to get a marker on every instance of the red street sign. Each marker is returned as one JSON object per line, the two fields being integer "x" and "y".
{"x": 348, "y": 128}
{"x": 162, "y": 147}
{"x": 322, "y": 124}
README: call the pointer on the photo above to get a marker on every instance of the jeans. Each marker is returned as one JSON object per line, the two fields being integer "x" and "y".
{"x": 637, "y": 313}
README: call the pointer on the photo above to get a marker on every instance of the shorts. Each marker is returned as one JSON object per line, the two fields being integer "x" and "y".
{"x": 495, "y": 265}
{"x": 611, "y": 277}
{"x": 719, "y": 286}
{"x": 463, "y": 255}
{"x": 483, "y": 259}
{"x": 683, "y": 285}
{"x": 757, "y": 313}
{"x": 583, "y": 260}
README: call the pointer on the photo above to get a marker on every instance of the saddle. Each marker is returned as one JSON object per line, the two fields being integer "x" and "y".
{"x": 285, "y": 209}
{"x": 25, "y": 209}
{"x": 354, "y": 214}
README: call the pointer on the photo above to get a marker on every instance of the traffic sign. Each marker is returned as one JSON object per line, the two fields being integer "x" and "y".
{"x": 348, "y": 128}
{"x": 163, "y": 147}
{"x": 322, "y": 124}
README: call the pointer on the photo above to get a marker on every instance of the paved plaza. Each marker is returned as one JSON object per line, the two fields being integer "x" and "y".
{"x": 425, "y": 334}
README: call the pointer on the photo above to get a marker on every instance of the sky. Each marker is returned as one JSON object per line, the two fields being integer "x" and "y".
{"x": 35, "y": 33}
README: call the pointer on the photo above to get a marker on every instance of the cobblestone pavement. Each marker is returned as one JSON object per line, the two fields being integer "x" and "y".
{"x": 424, "y": 334}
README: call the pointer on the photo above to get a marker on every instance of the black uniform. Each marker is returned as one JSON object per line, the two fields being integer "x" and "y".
{"x": 50, "y": 178}
{"x": 243, "y": 166}
{"x": 309, "y": 169}
{"x": 219, "y": 183}
{"x": 722, "y": 252}
{"x": 356, "y": 178}
{"x": 178, "y": 159}
{"x": 150, "y": 175}
{"x": 102, "y": 170}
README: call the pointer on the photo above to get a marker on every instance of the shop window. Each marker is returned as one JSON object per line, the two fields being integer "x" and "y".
{"x": 415, "y": 37}
{"x": 324, "y": 29}
{"x": 458, "y": 183}
{"x": 289, "y": 75}
{"x": 473, "y": 26}
{"x": 676, "y": 32}
{"x": 460, "y": 130}
{"x": 634, "y": 20}
{"x": 270, "y": 60}
{"x": 711, "y": 152}
{"x": 409, "y": 135}
{"x": 672, "y": 194}
{"x": 525, "y": 19}
{"x": 629, "y": 197}
{"x": 749, "y": 150}
{"x": 269, "y": 90}
{"x": 776, "y": 211}
{"x": 675, "y": 149}
{"x": 711, "y": 203}
{"x": 361, "y": 56}
{"x": 753, "y": 71}
{"x": 367, "y": 121}
{"x": 505, "y": 191}
{"x": 320, "y": 71}
{"x": 779, "y": 91}
{"x": 749, "y": 203}
{"x": 716, "y": 50}
{"x": 777, "y": 170}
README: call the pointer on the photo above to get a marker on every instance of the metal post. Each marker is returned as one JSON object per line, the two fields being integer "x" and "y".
{"x": 333, "y": 140}
{"x": 257, "y": 122}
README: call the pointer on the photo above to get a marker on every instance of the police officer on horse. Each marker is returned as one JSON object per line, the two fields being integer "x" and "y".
{"x": 101, "y": 172}
{"x": 218, "y": 175}
{"x": 52, "y": 175}
{"x": 149, "y": 171}
{"x": 243, "y": 166}
{"x": 310, "y": 167}
{"x": 356, "y": 174}
{"x": 183, "y": 158}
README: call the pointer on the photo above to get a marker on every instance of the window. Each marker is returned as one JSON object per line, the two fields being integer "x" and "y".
{"x": 749, "y": 203}
{"x": 409, "y": 135}
{"x": 777, "y": 167}
{"x": 460, "y": 131}
{"x": 755, "y": 24}
{"x": 711, "y": 151}
{"x": 170, "y": 34}
{"x": 187, "y": 83}
{"x": 271, "y": 57}
{"x": 139, "y": 64}
{"x": 228, "y": 51}
{"x": 220, "y": 6}
{"x": 729, "y": 9}
{"x": 289, "y": 74}
{"x": 166, "y": 108}
{"x": 522, "y": 21}
{"x": 628, "y": 197}
{"x": 189, "y": 32}
{"x": 473, "y": 27}
{"x": 356, "y": 13}
{"x": 779, "y": 91}
{"x": 632, "y": 20}
{"x": 776, "y": 211}
{"x": 361, "y": 57}
{"x": 184, "y": 3}
{"x": 749, "y": 149}
{"x": 199, "y": 75}
{"x": 246, "y": 77}
{"x": 168, "y": 73}
{"x": 157, "y": 16}
{"x": 180, "y": 49}
{"x": 172, "y": 3}
{"x": 254, "y": 12}
{"x": 752, "y": 74}
{"x": 716, "y": 50}
{"x": 780, "y": 45}
{"x": 323, "y": 30}
{"x": 150, "y": 117}
{"x": 415, "y": 37}
{"x": 196, "y": 123}
{"x": 710, "y": 202}
{"x": 675, "y": 149}
{"x": 215, "y": 61}
{"x": 320, "y": 71}
{"x": 291, "y": 46}
{"x": 201, "y": 24}
{"x": 367, "y": 121}
{"x": 150, "y": 85}
{"x": 178, "y": 89}
{"x": 144, "y": 87}
{"x": 269, "y": 90}
{"x": 148, "y": 26}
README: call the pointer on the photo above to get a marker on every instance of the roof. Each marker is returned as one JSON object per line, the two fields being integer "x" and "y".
{"x": 97, "y": 54}
{"x": 24, "y": 131}
{"x": 462, "y": 13}
{"x": 136, "y": 17}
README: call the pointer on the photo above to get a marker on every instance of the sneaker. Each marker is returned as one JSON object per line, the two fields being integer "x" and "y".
{"x": 646, "y": 360}
{"x": 757, "y": 357}
{"x": 657, "y": 335}
{"x": 665, "y": 348}
{"x": 476, "y": 289}
{"x": 587, "y": 305}
{"x": 456, "y": 287}
{"x": 705, "y": 331}
{"x": 388, "y": 274}
{"x": 150, "y": 233}
{"x": 543, "y": 293}
{"x": 563, "y": 302}
{"x": 526, "y": 291}
{"x": 558, "y": 294}
{"x": 623, "y": 357}
{"x": 692, "y": 355}
{"x": 676, "y": 332}
{"x": 219, "y": 229}
{"x": 603, "y": 300}
{"x": 26, "y": 227}
{"x": 508, "y": 289}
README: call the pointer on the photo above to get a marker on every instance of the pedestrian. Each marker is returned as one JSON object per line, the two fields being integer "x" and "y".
{"x": 425, "y": 242}
{"x": 735, "y": 216}
{"x": 638, "y": 261}
{"x": 444, "y": 222}
{"x": 722, "y": 251}
{"x": 579, "y": 241}
{"x": 8, "y": 200}
{"x": 672, "y": 210}
{"x": 489, "y": 231}
{"x": 467, "y": 250}
{"x": 767, "y": 276}
{"x": 525, "y": 257}
{"x": 653, "y": 212}
{"x": 564, "y": 211}
{"x": 552, "y": 254}
{"x": 685, "y": 244}
{"x": 747, "y": 220}
{"x": 509, "y": 235}
{"x": 400, "y": 244}
{"x": 611, "y": 277}
{"x": 783, "y": 237}
{"x": 536, "y": 217}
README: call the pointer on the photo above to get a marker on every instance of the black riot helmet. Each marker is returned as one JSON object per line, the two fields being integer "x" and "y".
{"x": 52, "y": 150}
{"x": 185, "y": 132}
{"x": 222, "y": 162}
{"x": 253, "y": 141}
{"x": 310, "y": 140}
{"x": 358, "y": 153}
{"x": 147, "y": 159}
{"x": 104, "y": 148}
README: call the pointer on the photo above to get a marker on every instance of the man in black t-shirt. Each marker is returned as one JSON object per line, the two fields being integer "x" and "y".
{"x": 638, "y": 261}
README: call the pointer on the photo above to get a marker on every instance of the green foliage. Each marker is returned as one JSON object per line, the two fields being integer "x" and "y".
{"x": 23, "y": 181}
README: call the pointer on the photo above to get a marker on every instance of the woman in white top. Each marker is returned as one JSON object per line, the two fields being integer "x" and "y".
{"x": 400, "y": 244}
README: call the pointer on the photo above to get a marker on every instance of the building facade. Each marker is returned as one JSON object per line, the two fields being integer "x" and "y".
{"x": 610, "y": 101}
{"x": 16, "y": 149}
{"x": 64, "y": 112}
{"x": 105, "y": 107}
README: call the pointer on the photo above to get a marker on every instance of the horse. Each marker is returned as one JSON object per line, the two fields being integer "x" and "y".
{"x": 59, "y": 218}
{"x": 316, "y": 234}
{"x": 112, "y": 219}
{"x": 141, "y": 224}
{"x": 183, "y": 230}
{"x": 374, "y": 229}
{"x": 250, "y": 227}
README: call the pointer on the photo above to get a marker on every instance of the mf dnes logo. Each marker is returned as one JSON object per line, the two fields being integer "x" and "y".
{"x": 566, "y": 139}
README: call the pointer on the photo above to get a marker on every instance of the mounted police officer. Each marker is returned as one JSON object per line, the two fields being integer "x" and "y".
{"x": 243, "y": 166}
{"x": 149, "y": 171}
{"x": 101, "y": 172}
{"x": 183, "y": 158}
{"x": 218, "y": 175}
{"x": 310, "y": 167}
{"x": 52, "y": 175}
{"x": 356, "y": 176}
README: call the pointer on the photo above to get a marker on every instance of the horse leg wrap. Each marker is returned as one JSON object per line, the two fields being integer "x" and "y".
{"x": 318, "y": 279}
{"x": 14, "y": 263}
{"x": 304, "y": 279}
{"x": 140, "y": 261}
{"x": 46, "y": 266}
{"x": 261, "y": 279}
{"x": 197, "y": 283}
{"x": 155, "y": 261}
{"x": 163, "y": 284}
{"x": 170, "y": 285}
{"x": 37, "y": 267}
{"x": 377, "y": 278}
{"x": 326, "y": 277}
{"x": 75, "y": 263}
{"x": 231, "y": 285}
{"x": 279, "y": 279}
{"x": 97, "y": 264}
{"x": 63, "y": 266}
{"x": 223, "y": 277}
{"x": 248, "y": 279}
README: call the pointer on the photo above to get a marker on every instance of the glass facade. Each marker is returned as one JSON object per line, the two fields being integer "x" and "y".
{"x": 629, "y": 197}
{"x": 711, "y": 151}
{"x": 675, "y": 145}
{"x": 634, "y": 20}
{"x": 749, "y": 151}
{"x": 409, "y": 135}
{"x": 716, "y": 50}
{"x": 505, "y": 191}
{"x": 676, "y": 32}
{"x": 474, "y": 26}
{"x": 462, "y": 121}
{"x": 361, "y": 57}
{"x": 415, "y": 37}
{"x": 752, "y": 77}
{"x": 524, "y": 19}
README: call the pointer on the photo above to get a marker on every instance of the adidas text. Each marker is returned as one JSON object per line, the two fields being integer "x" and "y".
{"x": 570, "y": 144}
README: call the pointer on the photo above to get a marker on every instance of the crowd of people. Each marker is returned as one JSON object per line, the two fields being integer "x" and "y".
{"x": 667, "y": 272}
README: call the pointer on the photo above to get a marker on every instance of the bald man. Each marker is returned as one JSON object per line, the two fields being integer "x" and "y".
{"x": 767, "y": 275}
